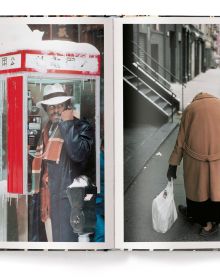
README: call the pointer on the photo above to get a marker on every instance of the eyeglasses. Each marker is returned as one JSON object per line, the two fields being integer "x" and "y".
{"x": 54, "y": 107}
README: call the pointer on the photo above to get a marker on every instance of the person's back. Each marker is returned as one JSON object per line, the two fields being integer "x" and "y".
{"x": 198, "y": 144}
{"x": 202, "y": 124}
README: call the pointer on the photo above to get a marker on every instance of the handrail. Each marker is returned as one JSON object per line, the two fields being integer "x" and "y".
{"x": 155, "y": 73}
{"x": 167, "y": 71}
{"x": 143, "y": 82}
{"x": 150, "y": 88}
{"x": 151, "y": 69}
{"x": 138, "y": 80}
{"x": 155, "y": 80}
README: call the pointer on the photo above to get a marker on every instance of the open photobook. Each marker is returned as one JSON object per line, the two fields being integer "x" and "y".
{"x": 109, "y": 133}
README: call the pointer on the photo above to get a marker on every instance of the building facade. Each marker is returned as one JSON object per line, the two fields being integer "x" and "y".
{"x": 184, "y": 50}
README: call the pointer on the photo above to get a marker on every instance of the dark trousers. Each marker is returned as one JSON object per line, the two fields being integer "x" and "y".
{"x": 203, "y": 212}
{"x": 60, "y": 219}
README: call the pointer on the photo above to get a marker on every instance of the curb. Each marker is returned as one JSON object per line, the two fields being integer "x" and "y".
{"x": 135, "y": 165}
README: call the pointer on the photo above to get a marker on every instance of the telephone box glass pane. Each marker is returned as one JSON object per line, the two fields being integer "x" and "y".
{"x": 82, "y": 92}
{"x": 82, "y": 102}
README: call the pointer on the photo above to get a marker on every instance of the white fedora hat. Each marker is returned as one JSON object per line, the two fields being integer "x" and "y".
{"x": 53, "y": 95}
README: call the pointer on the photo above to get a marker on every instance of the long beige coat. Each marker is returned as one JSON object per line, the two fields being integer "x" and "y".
{"x": 198, "y": 143}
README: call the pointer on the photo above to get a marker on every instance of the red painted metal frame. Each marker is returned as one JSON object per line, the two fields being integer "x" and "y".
{"x": 15, "y": 134}
{"x": 15, "y": 114}
{"x": 24, "y": 69}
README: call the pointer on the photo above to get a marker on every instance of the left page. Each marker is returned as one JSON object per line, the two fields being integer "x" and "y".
{"x": 56, "y": 143}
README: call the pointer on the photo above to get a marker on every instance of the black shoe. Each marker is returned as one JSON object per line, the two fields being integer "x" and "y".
{"x": 183, "y": 211}
{"x": 207, "y": 233}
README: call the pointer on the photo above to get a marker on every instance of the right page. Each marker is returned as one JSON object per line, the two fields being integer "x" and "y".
{"x": 167, "y": 151}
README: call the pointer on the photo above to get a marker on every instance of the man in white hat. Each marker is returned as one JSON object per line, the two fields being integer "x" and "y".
{"x": 53, "y": 102}
{"x": 62, "y": 154}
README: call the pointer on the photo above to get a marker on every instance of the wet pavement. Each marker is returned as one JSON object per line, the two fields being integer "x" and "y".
{"x": 138, "y": 201}
{"x": 150, "y": 165}
{"x": 139, "y": 147}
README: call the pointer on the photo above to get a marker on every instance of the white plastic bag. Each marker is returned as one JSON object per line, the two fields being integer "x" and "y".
{"x": 164, "y": 212}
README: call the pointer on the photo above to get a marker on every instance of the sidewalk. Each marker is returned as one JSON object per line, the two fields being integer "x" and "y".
{"x": 204, "y": 82}
{"x": 140, "y": 144}
{"x": 149, "y": 164}
{"x": 138, "y": 201}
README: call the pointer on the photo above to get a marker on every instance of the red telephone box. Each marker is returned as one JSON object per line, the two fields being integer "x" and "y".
{"x": 23, "y": 75}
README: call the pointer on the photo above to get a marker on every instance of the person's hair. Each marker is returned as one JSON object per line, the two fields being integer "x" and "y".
{"x": 44, "y": 107}
{"x": 68, "y": 103}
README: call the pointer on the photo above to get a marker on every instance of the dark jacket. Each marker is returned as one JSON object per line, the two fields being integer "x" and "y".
{"x": 78, "y": 139}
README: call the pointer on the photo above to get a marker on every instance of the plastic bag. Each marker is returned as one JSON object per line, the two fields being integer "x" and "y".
{"x": 82, "y": 197}
{"x": 164, "y": 212}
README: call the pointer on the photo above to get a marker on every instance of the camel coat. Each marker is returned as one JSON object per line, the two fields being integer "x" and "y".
{"x": 198, "y": 143}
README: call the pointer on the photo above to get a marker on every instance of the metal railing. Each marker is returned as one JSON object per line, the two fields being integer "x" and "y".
{"x": 157, "y": 79}
{"x": 163, "y": 68}
{"x": 139, "y": 82}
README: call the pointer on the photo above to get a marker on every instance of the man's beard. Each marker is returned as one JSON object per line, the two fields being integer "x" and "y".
{"x": 55, "y": 118}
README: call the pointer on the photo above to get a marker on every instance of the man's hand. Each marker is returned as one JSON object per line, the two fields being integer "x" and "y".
{"x": 171, "y": 172}
{"x": 67, "y": 115}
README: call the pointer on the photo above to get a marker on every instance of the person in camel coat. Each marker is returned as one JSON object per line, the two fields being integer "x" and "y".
{"x": 198, "y": 144}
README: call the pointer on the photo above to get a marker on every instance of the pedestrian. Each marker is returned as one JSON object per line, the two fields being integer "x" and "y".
{"x": 62, "y": 154}
{"x": 198, "y": 144}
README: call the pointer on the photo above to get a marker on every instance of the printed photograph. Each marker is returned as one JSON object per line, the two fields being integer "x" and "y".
{"x": 52, "y": 133}
{"x": 171, "y": 116}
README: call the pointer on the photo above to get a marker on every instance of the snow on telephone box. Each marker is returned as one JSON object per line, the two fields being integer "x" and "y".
{"x": 27, "y": 64}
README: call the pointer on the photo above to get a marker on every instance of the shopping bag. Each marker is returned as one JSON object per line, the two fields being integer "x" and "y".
{"x": 164, "y": 212}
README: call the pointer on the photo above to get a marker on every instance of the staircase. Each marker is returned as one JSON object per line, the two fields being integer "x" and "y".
{"x": 151, "y": 95}
{"x": 151, "y": 85}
